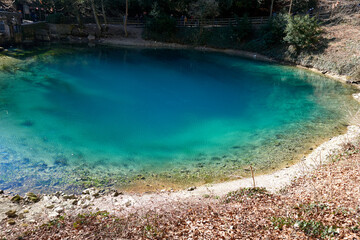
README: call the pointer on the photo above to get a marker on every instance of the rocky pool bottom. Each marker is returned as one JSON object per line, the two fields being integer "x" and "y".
{"x": 44, "y": 159}
{"x": 28, "y": 175}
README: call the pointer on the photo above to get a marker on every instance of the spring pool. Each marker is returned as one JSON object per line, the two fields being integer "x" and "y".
{"x": 73, "y": 117}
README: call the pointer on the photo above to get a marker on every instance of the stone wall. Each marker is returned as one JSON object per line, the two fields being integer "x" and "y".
{"x": 10, "y": 28}
{"x": 47, "y": 32}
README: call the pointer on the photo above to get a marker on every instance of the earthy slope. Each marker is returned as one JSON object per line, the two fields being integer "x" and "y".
{"x": 342, "y": 54}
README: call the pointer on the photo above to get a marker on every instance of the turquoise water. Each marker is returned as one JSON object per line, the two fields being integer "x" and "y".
{"x": 76, "y": 116}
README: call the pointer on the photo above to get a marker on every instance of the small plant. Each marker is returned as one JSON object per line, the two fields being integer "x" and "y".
{"x": 242, "y": 30}
{"x": 310, "y": 228}
{"x": 280, "y": 222}
{"x": 302, "y": 33}
{"x": 249, "y": 192}
{"x": 311, "y": 208}
{"x": 274, "y": 31}
{"x": 317, "y": 229}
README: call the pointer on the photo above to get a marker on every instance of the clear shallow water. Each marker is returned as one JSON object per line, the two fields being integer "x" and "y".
{"x": 78, "y": 117}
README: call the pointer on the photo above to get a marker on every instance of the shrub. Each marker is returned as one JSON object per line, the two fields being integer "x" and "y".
{"x": 160, "y": 28}
{"x": 302, "y": 33}
{"x": 242, "y": 30}
{"x": 274, "y": 31}
{"x": 59, "y": 18}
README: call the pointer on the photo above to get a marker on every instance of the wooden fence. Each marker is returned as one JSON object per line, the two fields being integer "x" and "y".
{"x": 215, "y": 22}
{"x": 256, "y": 22}
{"x": 194, "y": 22}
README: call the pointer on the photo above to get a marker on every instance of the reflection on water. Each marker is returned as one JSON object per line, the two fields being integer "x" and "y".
{"x": 73, "y": 117}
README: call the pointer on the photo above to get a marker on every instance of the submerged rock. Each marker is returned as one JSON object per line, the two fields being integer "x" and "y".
{"x": 32, "y": 197}
{"x": 67, "y": 197}
{"x": 27, "y": 123}
{"x": 61, "y": 160}
{"x": 16, "y": 199}
{"x": 11, "y": 214}
{"x": 11, "y": 222}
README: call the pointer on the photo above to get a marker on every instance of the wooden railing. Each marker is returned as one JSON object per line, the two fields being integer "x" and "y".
{"x": 195, "y": 22}
{"x": 215, "y": 22}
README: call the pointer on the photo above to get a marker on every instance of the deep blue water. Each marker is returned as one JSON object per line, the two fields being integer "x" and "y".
{"x": 158, "y": 110}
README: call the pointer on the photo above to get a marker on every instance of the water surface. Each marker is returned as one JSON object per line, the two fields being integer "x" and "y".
{"x": 73, "y": 117}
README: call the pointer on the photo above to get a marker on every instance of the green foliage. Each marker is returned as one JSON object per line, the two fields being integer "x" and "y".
{"x": 302, "y": 33}
{"x": 274, "y": 31}
{"x": 255, "y": 192}
{"x": 310, "y": 228}
{"x": 242, "y": 30}
{"x": 280, "y": 222}
{"x": 220, "y": 37}
{"x": 204, "y": 9}
{"x": 162, "y": 28}
{"x": 59, "y": 18}
{"x": 316, "y": 229}
{"x": 310, "y": 208}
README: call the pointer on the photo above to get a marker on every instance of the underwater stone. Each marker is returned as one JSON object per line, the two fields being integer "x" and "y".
{"x": 25, "y": 161}
{"x": 11, "y": 222}
{"x": 11, "y": 214}
{"x": 16, "y": 199}
{"x": 61, "y": 160}
{"x": 32, "y": 197}
{"x": 27, "y": 123}
{"x": 66, "y": 197}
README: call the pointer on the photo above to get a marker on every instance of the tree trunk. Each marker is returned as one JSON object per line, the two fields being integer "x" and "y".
{"x": 291, "y": 2}
{"x": 103, "y": 12}
{"x": 95, "y": 15}
{"x": 78, "y": 18}
{"x": 271, "y": 8}
{"x": 125, "y": 18}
